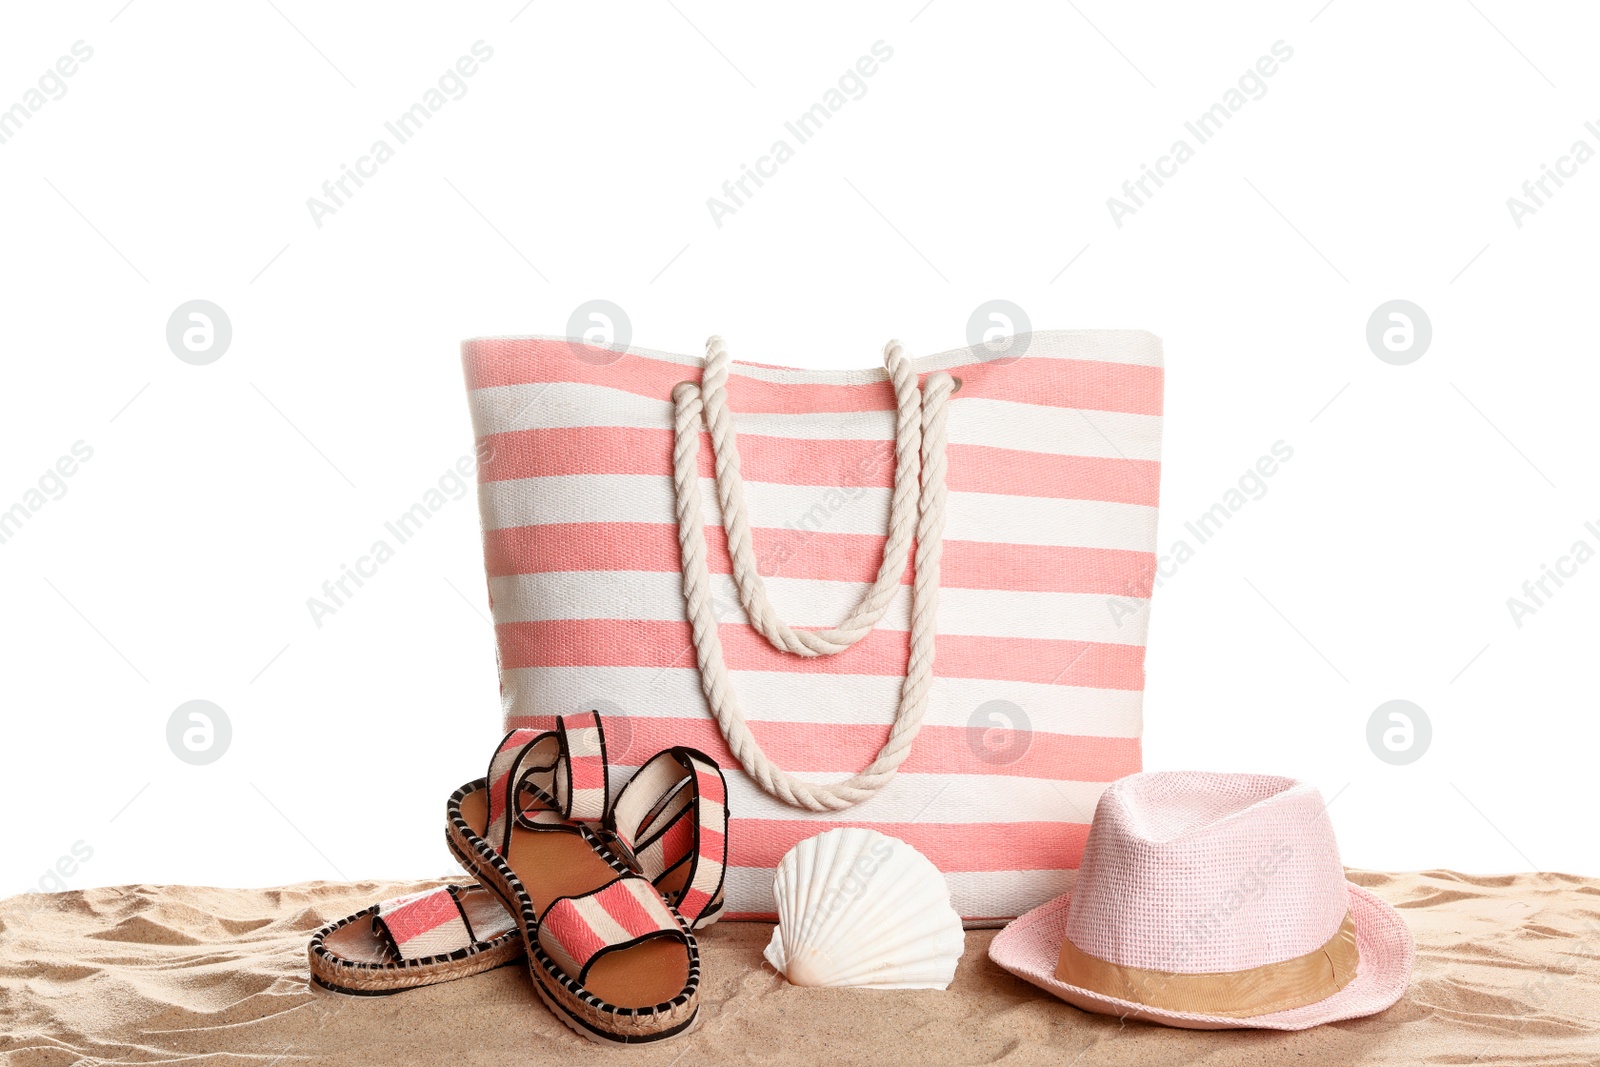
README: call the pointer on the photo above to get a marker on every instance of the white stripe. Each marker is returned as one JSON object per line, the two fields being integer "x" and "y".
{"x": 497, "y": 922}
{"x": 974, "y": 421}
{"x": 974, "y": 895}
{"x": 650, "y": 900}
{"x": 652, "y": 859}
{"x": 588, "y": 804}
{"x": 583, "y": 741}
{"x": 608, "y": 929}
{"x": 713, "y": 814}
{"x": 706, "y": 876}
{"x": 658, "y": 597}
{"x": 448, "y": 936}
{"x": 648, "y": 498}
{"x": 557, "y": 952}
{"x": 669, "y": 811}
{"x": 643, "y": 793}
{"x": 1102, "y": 346}
{"x": 922, "y": 798}
{"x": 823, "y": 699}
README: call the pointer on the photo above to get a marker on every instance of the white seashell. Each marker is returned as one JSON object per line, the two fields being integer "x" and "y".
{"x": 858, "y": 908}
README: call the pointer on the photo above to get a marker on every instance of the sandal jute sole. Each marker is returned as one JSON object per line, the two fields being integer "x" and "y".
{"x": 379, "y": 974}
{"x": 586, "y": 1014}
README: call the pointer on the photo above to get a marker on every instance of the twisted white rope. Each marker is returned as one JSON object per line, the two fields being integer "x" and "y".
{"x": 747, "y": 577}
{"x": 919, "y": 474}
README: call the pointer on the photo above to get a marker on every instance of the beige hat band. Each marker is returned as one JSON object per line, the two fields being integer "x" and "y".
{"x": 1262, "y": 990}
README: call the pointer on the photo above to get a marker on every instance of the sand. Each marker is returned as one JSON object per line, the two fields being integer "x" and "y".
{"x": 1508, "y": 971}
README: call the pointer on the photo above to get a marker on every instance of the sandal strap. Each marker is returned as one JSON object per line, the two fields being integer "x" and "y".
{"x": 431, "y": 923}
{"x": 505, "y": 761}
{"x": 675, "y": 811}
{"x": 570, "y": 776}
{"x": 564, "y": 771}
{"x": 575, "y": 931}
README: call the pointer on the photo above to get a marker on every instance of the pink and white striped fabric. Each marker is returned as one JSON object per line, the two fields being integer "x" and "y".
{"x": 563, "y": 767}
{"x": 432, "y": 923}
{"x": 673, "y": 812}
{"x": 577, "y": 929}
{"x": 1048, "y": 554}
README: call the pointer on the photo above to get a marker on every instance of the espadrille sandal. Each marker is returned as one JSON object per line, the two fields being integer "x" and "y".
{"x": 670, "y": 823}
{"x": 607, "y": 954}
{"x": 416, "y": 940}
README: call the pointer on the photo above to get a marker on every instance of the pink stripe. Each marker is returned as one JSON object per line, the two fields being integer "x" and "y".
{"x": 588, "y": 772}
{"x": 571, "y": 931}
{"x": 631, "y": 546}
{"x": 712, "y": 843}
{"x": 1012, "y": 472}
{"x": 626, "y": 910}
{"x": 497, "y": 799}
{"x": 937, "y": 749}
{"x": 676, "y": 841}
{"x": 600, "y": 450}
{"x": 514, "y": 740}
{"x": 694, "y": 903}
{"x": 953, "y": 847}
{"x": 1068, "y": 383}
{"x": 708, "y": 785}
{"x": 420, "y": 915}
{"x": 644, "y": 643}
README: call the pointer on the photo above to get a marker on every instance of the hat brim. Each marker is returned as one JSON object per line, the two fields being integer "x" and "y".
{"x": 1030, "y": 947}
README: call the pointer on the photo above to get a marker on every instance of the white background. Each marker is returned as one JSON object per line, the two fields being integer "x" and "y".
{"x": 977, "y": 165}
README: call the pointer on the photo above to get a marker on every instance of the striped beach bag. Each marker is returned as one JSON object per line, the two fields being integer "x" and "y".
{"x": 912, "y": 598}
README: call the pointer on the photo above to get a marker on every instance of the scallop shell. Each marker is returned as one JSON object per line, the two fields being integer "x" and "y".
{"x": 859, "y": 908}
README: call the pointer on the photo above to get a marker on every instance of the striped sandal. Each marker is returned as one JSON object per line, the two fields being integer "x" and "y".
{"x": 417, "y": 940}
{"x": 670, "y": 823}
{"x": 608, "y": 956}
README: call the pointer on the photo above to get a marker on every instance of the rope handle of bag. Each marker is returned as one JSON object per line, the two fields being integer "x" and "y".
{"x": 916, "y": 513}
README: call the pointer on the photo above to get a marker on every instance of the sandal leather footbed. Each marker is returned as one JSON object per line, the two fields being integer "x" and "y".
{"x": 552, "y": 865}
{"x": 359, "y": 943}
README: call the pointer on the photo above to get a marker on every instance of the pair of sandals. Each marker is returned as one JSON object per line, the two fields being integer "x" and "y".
{"x": 602, "y": 896}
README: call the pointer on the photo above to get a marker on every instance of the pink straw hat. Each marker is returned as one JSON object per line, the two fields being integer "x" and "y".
{"x": 1213, "y": 901}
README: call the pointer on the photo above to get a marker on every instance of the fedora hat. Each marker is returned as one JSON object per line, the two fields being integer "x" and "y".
{"x": 1213, "y": 901}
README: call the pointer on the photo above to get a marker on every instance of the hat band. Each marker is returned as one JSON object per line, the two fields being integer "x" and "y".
{"x": 1272, "y": 987}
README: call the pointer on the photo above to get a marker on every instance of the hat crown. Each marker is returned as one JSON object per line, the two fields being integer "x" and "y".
{"x": 1198, "y": 873}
